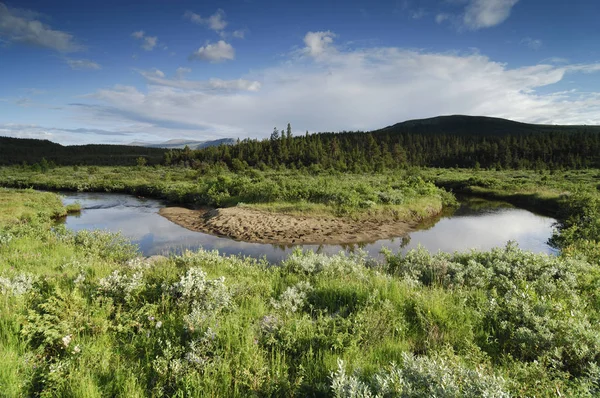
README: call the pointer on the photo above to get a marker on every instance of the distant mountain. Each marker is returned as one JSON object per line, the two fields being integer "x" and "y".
{"x": 180, "y": 143}
{"x": 480, "y": 125}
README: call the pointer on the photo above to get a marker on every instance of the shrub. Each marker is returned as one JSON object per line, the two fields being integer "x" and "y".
{"x": 419, "y": 377}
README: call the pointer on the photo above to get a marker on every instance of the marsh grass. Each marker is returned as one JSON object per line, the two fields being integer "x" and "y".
{"x": 397, "y": 195}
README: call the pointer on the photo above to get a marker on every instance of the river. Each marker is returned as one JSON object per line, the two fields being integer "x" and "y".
{"x": 476, "y": 224}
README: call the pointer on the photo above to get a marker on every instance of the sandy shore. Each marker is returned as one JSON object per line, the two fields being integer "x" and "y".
{"x": 263, "y": 227}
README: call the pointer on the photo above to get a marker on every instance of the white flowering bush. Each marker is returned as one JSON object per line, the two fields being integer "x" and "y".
{"x": 17, "y": 285}
{"x": 419, "y": 377}
{"x": 534, "y": 307}
{"x": 294, "y": 298}
{"x": 120, "y": 286}
{"x": 202, "y": 350}
{"x": 342, "y": 264}
{"x": 214, "y": 259}
{"x": 200, "y": 293}
{"x": 103, "y": 244}
{"x": 5, "y": 238}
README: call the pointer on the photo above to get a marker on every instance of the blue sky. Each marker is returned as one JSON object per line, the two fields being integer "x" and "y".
{"x": 116, "y": 71}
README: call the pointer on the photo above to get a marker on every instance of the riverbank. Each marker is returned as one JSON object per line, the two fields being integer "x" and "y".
{"x": 283, "y": 207}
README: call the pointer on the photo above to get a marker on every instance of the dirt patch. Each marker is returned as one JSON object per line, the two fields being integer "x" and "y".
{"x": 258, "y": 226}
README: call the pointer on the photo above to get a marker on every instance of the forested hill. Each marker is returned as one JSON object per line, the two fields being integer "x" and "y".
{"x": 445, "y": 141}
{"x": 18, "y": 150}
{"x": 481, "y": 125}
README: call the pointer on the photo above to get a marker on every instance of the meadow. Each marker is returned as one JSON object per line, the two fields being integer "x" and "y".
{"x": 83, "y": 315}
{"x": 349, "y": 195}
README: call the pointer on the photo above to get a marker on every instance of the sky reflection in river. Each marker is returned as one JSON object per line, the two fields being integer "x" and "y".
{"x": 476, "y": 224}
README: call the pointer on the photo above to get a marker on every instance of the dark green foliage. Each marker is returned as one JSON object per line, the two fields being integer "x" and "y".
{"x": 43, "y": 154}
{"x": 453, "y": 141}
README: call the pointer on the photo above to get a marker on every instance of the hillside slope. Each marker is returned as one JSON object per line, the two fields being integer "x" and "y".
{"x": 19, "y": 150}
{"x": 481, "y": 125}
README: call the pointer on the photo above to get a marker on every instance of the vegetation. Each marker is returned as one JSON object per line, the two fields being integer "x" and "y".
{"x": 82, "y": 315}
{"x": 572, "y": 196}
{"x": 42, "y": 155}
{"x": 450, "y": 141}
{"x": 398, "y": 195}
{"x": 454, "y": 141}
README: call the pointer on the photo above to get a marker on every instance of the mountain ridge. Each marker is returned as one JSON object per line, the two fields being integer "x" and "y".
{"x": 179, "y": 143}
{"x": 461, "y": 124}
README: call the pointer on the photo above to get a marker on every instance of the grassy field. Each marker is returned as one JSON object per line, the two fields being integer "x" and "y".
{"x": 81, "y": 315}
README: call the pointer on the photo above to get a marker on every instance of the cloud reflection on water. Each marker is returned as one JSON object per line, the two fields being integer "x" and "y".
{"x": 471, "y": 227}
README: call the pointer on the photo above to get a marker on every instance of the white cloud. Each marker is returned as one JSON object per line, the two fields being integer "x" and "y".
{"x": 439, "y": 18}
{"x": 487, "y": 13}
{"x": 148, "y": 42}
{"x": 20, "y": 26}
{"x": 555, "y": 60}
{"x": 158, "y": 73}
{"x": 64, "y": 135}
{"x": 82, "y": 64}
{"x": 156, "y": 77}
{"x": 181, "y": 72}
{"x": 215, "y": 22}
{"x": 317, "y": 43}
{"x": 418, "y": 14}
{"x": 217, "y": 52}
{"x": 238, "y": 84}
{"x": 534, "y": 44}
{"x": 239, "y": 34}
{"x": 349, "y": 90}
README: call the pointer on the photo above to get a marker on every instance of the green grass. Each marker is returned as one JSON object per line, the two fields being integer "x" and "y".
{"x": 31, "y": 205}
{"x": 398, "y": 195}
{"x": 82, "y": 316}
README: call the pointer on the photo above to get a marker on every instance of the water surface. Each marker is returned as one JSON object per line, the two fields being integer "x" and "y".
{"x": 476, "y": 224}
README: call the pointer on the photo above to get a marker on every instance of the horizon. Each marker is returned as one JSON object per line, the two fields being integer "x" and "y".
{"x": 191, "y": 140}
{"x": 155, "y": 72}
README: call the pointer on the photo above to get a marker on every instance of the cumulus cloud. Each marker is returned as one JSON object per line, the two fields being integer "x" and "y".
{"x": 317, "y": 43}
{"x": 350, "y": 90}
{"x": 239, "y": 34}
{"x": 21, "y": 26}
{"x": 487, "y": 13}
{"x": 218, "y": 52}
{"x": 82, "y": 64}
{"x": 214, "y": 22}
{"x": 148, "y": 42}
{"x": 534, "y": 44}
{"x": 477, "y": 14}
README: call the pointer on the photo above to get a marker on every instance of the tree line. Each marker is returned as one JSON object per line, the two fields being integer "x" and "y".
{"x": 389, "y": 149}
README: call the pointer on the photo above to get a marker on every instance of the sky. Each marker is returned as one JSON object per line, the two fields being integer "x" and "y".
{"x": 114, "y": 72}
